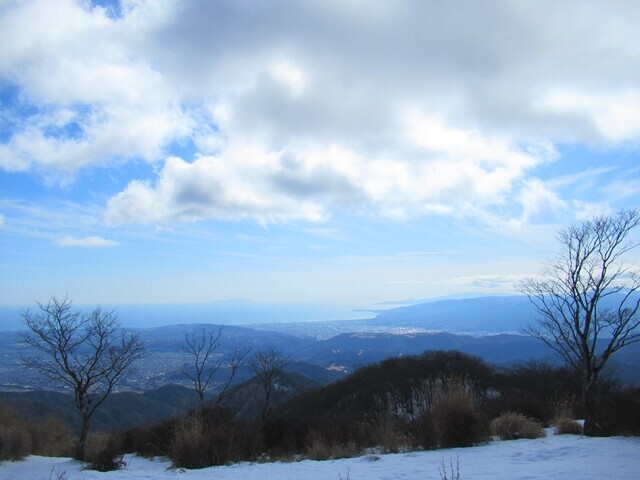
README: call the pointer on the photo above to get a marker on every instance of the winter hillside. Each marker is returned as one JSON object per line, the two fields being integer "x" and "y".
{"x": 564, "y": 457}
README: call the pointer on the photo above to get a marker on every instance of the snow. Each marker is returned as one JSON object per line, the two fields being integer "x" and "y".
{"x": 565, "y": 456}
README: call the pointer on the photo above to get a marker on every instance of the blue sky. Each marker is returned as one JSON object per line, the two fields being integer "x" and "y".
{"x": 341, "y": 152}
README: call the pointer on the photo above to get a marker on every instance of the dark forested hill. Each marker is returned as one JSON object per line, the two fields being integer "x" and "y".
{"x": 364, "y": 348}
{"x": 120, "y": 411}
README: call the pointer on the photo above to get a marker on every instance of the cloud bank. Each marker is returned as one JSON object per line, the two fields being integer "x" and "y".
{"x": 297, "y": 110}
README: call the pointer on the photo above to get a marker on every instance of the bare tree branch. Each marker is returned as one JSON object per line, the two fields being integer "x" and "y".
{"x": 234, "y": 362}
{"x": 205, "y": 364}
{"x": 267, "y": 365}
{"x": 588, "y": 298}
{"x": 86, "y": 352}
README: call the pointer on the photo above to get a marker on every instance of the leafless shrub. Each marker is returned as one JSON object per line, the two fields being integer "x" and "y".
{"x": 103, "y": 453}
{"x": 563, "y": 418}
{"x": 319, "y": 449}
{"x": 567, "y": 426}
{"x": 387, "y": 435}
{"x": 188, "y": 448}
{"x": 214, "y": 439}
{"x": 53, "y": 439}
{"x": 563, "y": 408}
{"x": 14, "y": 444}
{"x": 512, "y": 426}
{"x": 455, "y": 421}
{"x": 345, "y": 450}
{"x": 15, "y": 438}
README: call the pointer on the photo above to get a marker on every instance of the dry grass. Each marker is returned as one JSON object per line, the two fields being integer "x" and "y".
{"x": 567, "y": 426}
{"x": 188, "y": 446}
{"x": 198, "y": 442}
{"x": 563, "y": 419}
{"x": 319, "y": 449}
{"x": 387, "y": 436}
{"x": 19, "y": 438}
{"x": 563, "y": 408}
{"x": 53, "y": 439}
{"x": 347, "y": 450}
{"x": 103, "y": 453}
{"x": 15, "y": 437}
{"x": 456, "y": 422}
{"x": 512, "y": 426}
{"x": 96, "y": 443}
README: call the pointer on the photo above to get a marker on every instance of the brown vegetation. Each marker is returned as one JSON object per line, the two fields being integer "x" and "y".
{"x": 201, "y": 440}
{"x": 103, "y": 452}
{"x": 15, "y": 441}
{"x": 513, "y": 426}
{"x": 19, "y": 438}
{"x": 456, "y": 422}
{"x": 567, "y": 426}
{"x": 436, "y": 400}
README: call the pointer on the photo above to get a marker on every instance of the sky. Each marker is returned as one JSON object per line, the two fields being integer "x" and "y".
{"x": 337, "y": 151}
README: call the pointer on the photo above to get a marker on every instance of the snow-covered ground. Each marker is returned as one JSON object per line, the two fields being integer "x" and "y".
{"x": 564, "y": 457}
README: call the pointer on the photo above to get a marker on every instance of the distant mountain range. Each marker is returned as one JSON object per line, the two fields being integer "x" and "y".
{"x": 480, "y": 315}
{"x": 319, "y": 353}
{"x": 485, "y": 315}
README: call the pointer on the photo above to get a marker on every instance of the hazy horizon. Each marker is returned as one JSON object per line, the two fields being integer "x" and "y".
{"x": 230, "y": 312}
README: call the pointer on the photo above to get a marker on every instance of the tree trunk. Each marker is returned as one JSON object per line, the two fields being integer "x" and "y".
{"x": 84, "y": 431}
{"x": 591, "y": 426}
{"x": 202, "y": 408}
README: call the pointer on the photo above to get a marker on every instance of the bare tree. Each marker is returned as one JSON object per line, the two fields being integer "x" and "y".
{"x": 588, "y": 299}
{"x": 87, "y": 352}
{"x": 205, "y": 363}
{"x": 267, "y": 365}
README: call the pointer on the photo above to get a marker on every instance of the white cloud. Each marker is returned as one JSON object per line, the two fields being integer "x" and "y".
{"x": 623, "y": 188}
{"x": 60, "y": 222}
{"x": 589, "y": 210}
{"x": 309, "y": 182}
{"x": 409, "y": 108}
{"x": 236, "y": 186}
{"x": 495, "y": 282}
{"x": 536, "y": 197}
{"x": 289, "y": 75}
{"x": 89, "y": 242}
{"x": 583, "y": 180}
{"x": 615, "y": 115}
{"x": 77, "y": 71}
